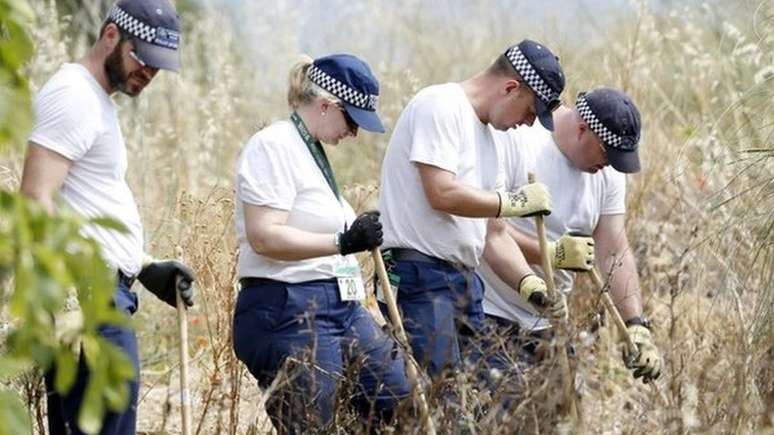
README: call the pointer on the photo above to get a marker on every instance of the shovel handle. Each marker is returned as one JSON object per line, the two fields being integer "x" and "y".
{"x": 545, "y": 260}
{"x": 567, "y": 377}
{"x": 400, "y": 333}
{"x": 611, "y": 308}
{"x": 182, "y": 323}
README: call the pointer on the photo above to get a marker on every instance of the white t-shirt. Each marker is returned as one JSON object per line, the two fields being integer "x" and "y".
{"x": 276, "y": 169}
{"x": 578, "y": 200}
{"x": 440, "y": 128}
{"x": 76, "y": 118}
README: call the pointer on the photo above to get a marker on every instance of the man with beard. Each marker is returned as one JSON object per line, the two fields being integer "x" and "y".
{"x": 76, "y": 151}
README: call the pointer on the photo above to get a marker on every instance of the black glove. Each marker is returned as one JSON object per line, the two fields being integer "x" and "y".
{"x": 364, "y": 234}
{"x": 160, "y": 278}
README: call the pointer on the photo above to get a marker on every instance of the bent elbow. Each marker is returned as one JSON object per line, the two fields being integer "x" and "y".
{"x": 440, "y": 202}
{"x": 259, "y": 242}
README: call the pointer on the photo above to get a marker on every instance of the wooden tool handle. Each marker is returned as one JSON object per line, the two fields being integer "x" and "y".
{"x": 182, "y": 322}
{"x": 611, "y": 308}
{"x": 545, "y": 259}
{"x": 400, "y": 333}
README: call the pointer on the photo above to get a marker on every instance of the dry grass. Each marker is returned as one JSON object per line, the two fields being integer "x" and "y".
{"x": 700, "y": 213}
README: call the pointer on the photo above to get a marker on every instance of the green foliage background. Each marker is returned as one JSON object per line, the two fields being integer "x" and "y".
{"x": 43, "y": 257}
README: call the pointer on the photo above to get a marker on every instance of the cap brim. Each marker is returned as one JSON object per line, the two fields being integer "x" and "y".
{"x": 156, "y": 56}
{"x": 627, "y": 162}
{"x": 544, "y": 115}
{"x": 365, "y": 119}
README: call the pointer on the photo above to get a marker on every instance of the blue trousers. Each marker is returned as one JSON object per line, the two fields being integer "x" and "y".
{"x": 308, "y": 335}
{"x": 442, "y": 311}
{"x": 63, "y": 410}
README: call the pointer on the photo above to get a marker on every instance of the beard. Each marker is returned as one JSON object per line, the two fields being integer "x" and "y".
{"x": 117, "y": 76}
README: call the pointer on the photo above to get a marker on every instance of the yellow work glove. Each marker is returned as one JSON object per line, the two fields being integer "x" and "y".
{"x": 533, "y": 289}
{"x": 647, "y": 364}
{"x": 528, "y": 200}
{"x": 572, "y": 253}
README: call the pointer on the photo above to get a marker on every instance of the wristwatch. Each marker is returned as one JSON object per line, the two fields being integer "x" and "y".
{"x": 639, "y": 320}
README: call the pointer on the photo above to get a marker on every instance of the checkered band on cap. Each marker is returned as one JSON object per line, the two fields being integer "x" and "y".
{"x": 608, "y": 137}
{"x": 132, "y": 25}
{"x": 528, "y": 73}
{"x": 339, "y": 89}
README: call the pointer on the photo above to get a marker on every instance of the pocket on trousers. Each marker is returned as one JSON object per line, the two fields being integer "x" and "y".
{"x": 409, "y": 273}
{"x": 262, "y": 308}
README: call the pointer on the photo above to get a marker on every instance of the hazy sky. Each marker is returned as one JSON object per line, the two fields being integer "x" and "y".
{"x": 322, "y": 23}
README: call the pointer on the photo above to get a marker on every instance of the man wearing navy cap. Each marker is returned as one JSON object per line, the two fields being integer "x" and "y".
{"x": 583, "y": 162}
{"x": 76, "y": 151}
{"x": 440, "y": 182}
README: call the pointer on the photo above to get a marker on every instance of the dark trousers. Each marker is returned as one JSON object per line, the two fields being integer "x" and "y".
{"x": 441, "y": 308}
{"x": 63, "y": 410}
{"x": 306, "y": 333}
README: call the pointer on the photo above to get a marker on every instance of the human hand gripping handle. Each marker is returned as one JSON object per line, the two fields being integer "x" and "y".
{"x": 364, "y": 234}
{"x": 160, "y": 277}
{"x": 572, "y": 252}
{"x": 647, "y": 362}
{"x": 533, "y": 289}
{"x": 528, "y": 200}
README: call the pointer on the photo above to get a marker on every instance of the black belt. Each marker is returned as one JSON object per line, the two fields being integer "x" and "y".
{"x": 250, "y": 281}
{"x": 408, "y": 254}
{"x": 125, "y": 279}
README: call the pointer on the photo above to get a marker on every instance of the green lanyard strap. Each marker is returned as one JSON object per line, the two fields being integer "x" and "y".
{"x": 315, "y": 147}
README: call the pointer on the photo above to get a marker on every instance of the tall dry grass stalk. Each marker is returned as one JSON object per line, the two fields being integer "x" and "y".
{"x": 699, "y": 214}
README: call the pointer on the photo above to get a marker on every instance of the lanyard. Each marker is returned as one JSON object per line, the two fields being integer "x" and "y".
{"x": 315, "y": 147}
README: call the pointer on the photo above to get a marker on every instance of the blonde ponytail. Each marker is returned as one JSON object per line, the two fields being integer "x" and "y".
{"x": 301, "y": 90}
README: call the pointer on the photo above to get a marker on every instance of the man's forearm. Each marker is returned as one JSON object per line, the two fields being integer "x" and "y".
{"x": 504, "y": 256}
{"x": 447, "y": 194}
{"x": 466, "y": 201}
{"x": 624, "y": 284}
{"x": 529, "y": 246}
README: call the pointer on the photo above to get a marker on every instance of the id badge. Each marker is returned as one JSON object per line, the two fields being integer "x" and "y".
{"x": 351, "y": 286}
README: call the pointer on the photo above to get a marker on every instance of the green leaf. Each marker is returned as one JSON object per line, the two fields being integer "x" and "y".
{"x": 13, "y": 416}
{"x": 92, "y": 407}
{"x": 66, "y": 370}
{"x": 11, "y": 366}
{"x": 53, "y": 265}
{"x": 25, "y": 279}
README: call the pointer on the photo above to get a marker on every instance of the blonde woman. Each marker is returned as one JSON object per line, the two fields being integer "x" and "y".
{"x": 299, "y": 304}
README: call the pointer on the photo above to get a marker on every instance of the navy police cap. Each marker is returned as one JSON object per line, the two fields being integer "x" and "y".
{"x": 351, "y": 80}
{"x": 154, "y": 27}
{"x": 614, "y": 118}
{"x": 540, "y": 69}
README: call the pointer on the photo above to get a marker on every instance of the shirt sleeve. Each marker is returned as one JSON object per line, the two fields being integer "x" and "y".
{"x": 265, "y": 175}
{"x": 436, "y": 134}
{"x": 66, "y": 121}
{"x": 614, "y": 200}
